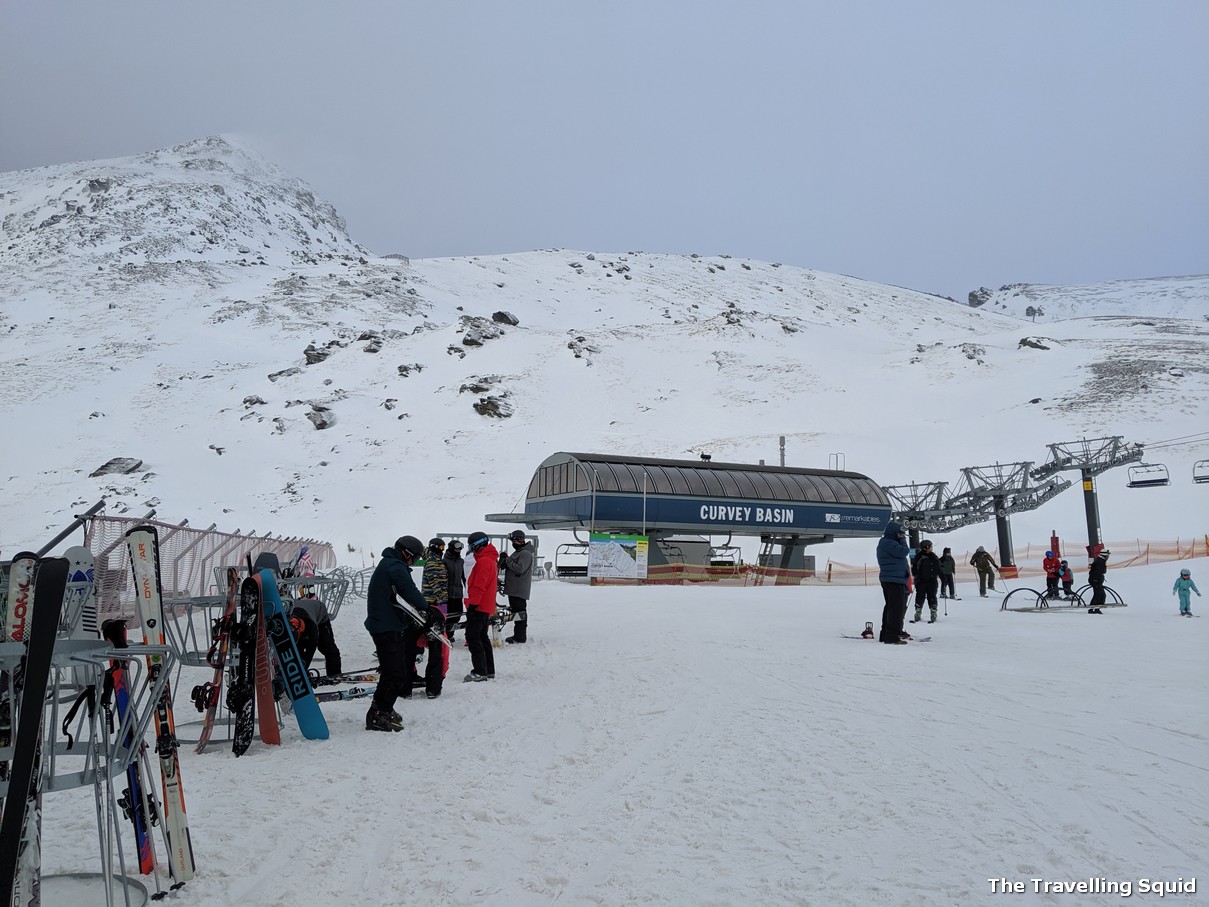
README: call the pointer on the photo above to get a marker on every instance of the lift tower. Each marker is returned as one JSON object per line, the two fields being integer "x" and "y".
{"x": 1091, "y": 457}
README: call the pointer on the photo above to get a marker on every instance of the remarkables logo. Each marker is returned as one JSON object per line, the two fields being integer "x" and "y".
{"x": 848, "y": 518}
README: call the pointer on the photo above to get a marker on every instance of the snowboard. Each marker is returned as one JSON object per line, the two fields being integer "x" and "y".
{"x": 216, "y": 657}
{"x": 434, "y": 634}
{"x": 35, "y": 622}
{"x": 241, "y": 689}
{"x": 143, "y": 545}
{"x": 328, "y": 680}
{"x": 15, "y": 605}
{"x": 875, "y": 639}
{"x": 293, "y": 672}
{"x": 266, "y": 694}
{"x": 358, "y": 692}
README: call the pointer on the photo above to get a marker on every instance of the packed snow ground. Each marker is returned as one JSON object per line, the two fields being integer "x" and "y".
{"x": 722, "y": 746}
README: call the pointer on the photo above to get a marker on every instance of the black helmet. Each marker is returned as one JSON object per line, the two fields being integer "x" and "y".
{"x": 925, "y": 544}
{"x": 411, "y": 545}
{"x": 437, "y": 543}
{"x": 476, "y": 540}
{"x": 456, "y": 545}
{"x": 517, "y": 536}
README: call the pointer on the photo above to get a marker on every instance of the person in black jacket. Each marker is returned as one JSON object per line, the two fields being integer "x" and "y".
{"x": 926, "y": 570}
{"x": 1095, "y": 578}
{"x": 390, "y": 626}
{"x": 455, "y": 568}
{"x": 894, "y": 572}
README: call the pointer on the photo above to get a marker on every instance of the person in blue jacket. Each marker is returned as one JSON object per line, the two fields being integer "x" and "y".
{"x": 390, "y": 626}
{"x": 894, "y": 573}
{"x": 1184, "y": 587}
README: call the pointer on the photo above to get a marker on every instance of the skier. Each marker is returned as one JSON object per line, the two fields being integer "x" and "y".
{"x": 436, "y": 592}
{"x": 926, "y": 570}
{"x": 481, "y": 590}
{"x": 984, "y": 564}
{"x": 948, "y": 567}
{"x": 1184, "y": 586}
{"x": 389, "y": 626}
{"x": 1068, "y": 579}
{"x": 894, "y": 573}
{"x": 1052, "y": 565}
{"x": 1095, "y": 577}
{"x": 455, "y": 569}
{"x": 518, "y": 581}
{"x": 315, "y": 631}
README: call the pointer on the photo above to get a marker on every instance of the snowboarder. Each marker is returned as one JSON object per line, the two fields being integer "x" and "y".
{"x": 894, "y": 573}
{"x": 1067, "y": 578}
{"x": 948, "y": 567}
{"x": 455, "y": 569}
{"x": 926, "y": 570}
{"x": 435, "y": 587}
{"x": 1184, "y": 587}
{"x": 389, "y": 626}
{"x": 1095, "y": 578}
{"x": 1052, "y": 565}
{"x": 984, "y": 564}
{"x": 315, "y": 631}
{"x": 518, "y": 581}
{"x": 481, "y": 590}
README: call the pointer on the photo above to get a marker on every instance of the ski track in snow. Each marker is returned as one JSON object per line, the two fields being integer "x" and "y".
{"x": 722, "y": 746}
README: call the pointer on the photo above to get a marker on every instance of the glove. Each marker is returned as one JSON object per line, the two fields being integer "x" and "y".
{"x": 433, "y": 618}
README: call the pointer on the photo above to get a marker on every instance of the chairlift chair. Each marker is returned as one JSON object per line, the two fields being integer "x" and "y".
{"x": 1200, "y": 471}
{"x": 1148, "y": 475}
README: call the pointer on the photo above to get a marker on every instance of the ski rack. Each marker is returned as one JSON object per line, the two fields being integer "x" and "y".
{"x": 97, "y": 752}
{"x": 187, "y": 623}
{"x": 332, "y": 588}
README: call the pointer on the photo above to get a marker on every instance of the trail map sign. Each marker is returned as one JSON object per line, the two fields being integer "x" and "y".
{"x": 617, "y": 556}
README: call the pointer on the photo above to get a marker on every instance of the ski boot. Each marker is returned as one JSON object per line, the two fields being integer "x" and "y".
{"x": 867, "y": 633}
{"x": 932, "y": 619}
{"x": 918, "y": 615}
{"x": 377, "y": 720}
{"x": 904, "y": 635}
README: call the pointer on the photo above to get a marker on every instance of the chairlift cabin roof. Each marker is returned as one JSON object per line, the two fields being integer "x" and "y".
{"x": 609, "y": 493}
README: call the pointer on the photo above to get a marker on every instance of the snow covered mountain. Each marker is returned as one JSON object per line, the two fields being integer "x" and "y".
{"x": 200, "y": 310}
{"x": 1155, "y": 297}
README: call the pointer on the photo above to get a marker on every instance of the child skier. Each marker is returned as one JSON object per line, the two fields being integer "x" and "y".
{"x": 1051, "y": 565}
{"x": 1184, "y": 587}
{"x": 1068, "y": 579}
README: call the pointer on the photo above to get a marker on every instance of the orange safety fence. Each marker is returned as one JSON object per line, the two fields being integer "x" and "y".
{"x": 1027, "y": 565}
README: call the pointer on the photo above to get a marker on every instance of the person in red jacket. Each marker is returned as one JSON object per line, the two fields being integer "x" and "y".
{"x": 1053, "y": 568}
{"x": 481, "y": 588}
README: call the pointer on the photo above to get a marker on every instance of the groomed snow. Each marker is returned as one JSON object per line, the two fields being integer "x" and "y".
{"x": 723, "y": 746}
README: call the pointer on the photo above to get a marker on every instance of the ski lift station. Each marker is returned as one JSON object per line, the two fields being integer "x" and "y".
{"x": 682, "y": 505}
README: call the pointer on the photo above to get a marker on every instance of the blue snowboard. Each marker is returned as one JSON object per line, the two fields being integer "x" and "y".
{"x": 293, "y": 672}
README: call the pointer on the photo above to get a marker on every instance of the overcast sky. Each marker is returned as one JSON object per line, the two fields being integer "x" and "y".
{"x": 938, "y": 145}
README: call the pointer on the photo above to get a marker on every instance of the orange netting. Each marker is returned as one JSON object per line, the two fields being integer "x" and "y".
{"x": 1027, "y": 559}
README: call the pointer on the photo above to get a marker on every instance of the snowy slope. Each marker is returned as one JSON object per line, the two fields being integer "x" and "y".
{"x": 680, "y": 745}
{"x": 1154, "y": 297}
{"x": 637, "y": 352}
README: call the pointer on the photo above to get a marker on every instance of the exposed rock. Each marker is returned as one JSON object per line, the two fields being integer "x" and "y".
{"x": 505, "y": 318}
{"x": 321, "y": 417}
{"x": 285, "y": 373}
{"x": 980, "y": 296}
{"x": 494, "y": 407}
{"x": 479, "y": 384}
{"x": 477, "y": 331}
{"x": 405, "y": 369}
{"x": 1033, "y": 342}
{"x": 314, "y": 355}
{"x": 121, "y": 465}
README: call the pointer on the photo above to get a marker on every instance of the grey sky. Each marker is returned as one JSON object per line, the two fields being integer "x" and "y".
{"x": 935, "y": 145}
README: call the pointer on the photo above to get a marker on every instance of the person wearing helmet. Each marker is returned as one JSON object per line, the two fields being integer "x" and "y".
{"x": 435, "y": 587}
{"x": 390, "y": 625}
{"x": 894, "y": 572}
{"x": 518, "y": 580}
{"x": 948, "y": 567}
{"x": 984, "y": 564}
{"x": 926, "y": 571}
{"x": 1184, "y": 587}
{"x": 455, "y": 571}
{"x": 1067, "y": 578}
{"x": 1051, "y": 565}
{"x": 1095, "y": 578}
{"x": 481, "y": 590}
